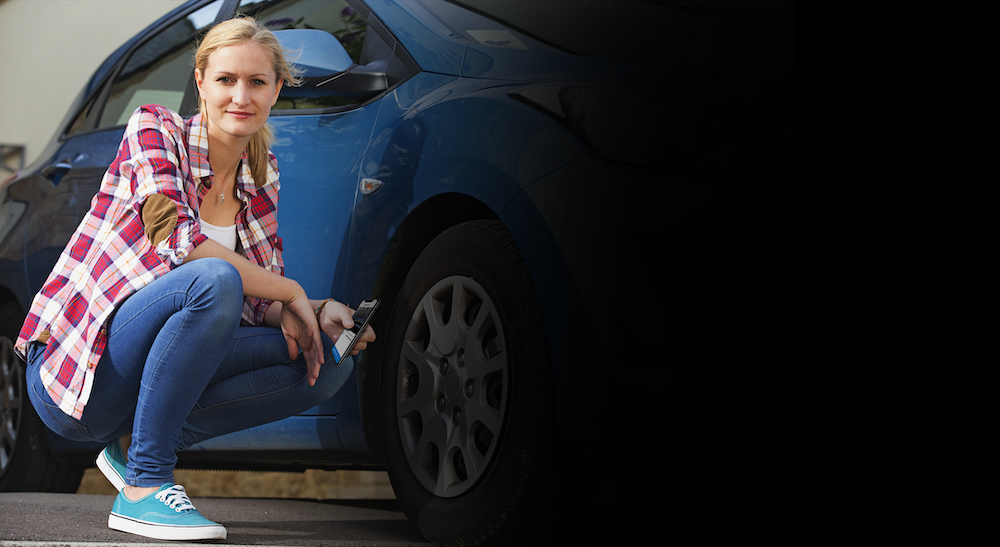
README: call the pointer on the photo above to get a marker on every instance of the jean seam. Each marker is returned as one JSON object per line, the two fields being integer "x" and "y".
{"x": 258, "y": 397}
{"x": 132, "y": 475}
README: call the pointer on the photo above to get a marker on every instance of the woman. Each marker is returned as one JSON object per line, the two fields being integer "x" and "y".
{"x": 137, "y": 331}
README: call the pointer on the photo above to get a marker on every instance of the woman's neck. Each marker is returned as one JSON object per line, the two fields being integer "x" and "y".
{"x": 225, "y": 152}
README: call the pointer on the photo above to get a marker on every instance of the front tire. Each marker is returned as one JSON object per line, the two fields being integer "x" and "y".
{"x": 468, "y": 417}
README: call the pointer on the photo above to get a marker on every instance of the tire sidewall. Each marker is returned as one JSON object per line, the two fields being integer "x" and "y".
{"x": 28, "y": 426}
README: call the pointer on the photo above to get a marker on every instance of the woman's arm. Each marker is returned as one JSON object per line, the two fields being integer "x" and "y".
{"x": 296, "y": 316}
{"x": 257, "y": 281}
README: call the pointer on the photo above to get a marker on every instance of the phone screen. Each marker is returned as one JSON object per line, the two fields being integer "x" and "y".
{"x": 347, "y": 339}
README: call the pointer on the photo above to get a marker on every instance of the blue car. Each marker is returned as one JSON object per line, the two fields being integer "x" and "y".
{"x": 574, "y": 213}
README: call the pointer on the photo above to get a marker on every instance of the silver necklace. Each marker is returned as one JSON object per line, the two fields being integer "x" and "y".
{"x": 222, "y": 195}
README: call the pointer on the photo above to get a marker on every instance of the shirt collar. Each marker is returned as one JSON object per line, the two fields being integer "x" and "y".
{"x": 201, "y": 169}
{"x": 198, "y": 148}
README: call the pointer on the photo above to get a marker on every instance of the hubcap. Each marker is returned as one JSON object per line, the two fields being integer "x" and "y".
{"x": 11, "y": 400}
{"x": 452, "y": 386}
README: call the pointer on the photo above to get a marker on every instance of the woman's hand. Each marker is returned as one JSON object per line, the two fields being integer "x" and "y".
{"x": 298, "y": 324}
{"x": 336, "y": 317}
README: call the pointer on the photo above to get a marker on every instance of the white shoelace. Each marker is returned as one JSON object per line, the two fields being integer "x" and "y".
{"x": 175, "y": 498}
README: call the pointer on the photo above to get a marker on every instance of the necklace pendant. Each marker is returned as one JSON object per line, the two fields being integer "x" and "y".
{"x": 222, "y": 198}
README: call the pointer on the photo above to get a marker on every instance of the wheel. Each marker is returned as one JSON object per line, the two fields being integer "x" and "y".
{"x": 26, "y": 463}
{"x": 468, "y": 417}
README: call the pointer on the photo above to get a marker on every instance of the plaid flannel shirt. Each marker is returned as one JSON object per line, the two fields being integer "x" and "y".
{"x": 110, "y": 255}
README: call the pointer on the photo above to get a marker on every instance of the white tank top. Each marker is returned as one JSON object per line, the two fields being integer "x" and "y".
{"x": 223, "y": 236}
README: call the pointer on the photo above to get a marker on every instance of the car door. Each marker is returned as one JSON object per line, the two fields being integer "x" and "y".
{"x": 322, "y": 130}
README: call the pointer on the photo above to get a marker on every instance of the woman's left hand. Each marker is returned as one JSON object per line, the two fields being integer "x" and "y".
{"x": 336, "y": 317}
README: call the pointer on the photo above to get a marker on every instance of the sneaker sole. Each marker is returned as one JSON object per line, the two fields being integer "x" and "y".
{"x": 165, "y": 531}
{"x": 108, "y": 469}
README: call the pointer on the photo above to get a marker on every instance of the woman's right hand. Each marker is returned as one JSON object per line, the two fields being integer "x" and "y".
{"x": 298, "y": 324}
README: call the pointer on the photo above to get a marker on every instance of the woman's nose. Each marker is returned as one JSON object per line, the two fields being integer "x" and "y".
{"x": 241, "y": 95}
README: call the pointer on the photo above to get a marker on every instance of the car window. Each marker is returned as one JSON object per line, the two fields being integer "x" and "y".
{"x": 80, "y": 122}
{"x": 160, "y": 70}
{"x": 337, "y": 17}
{"x": 334, "y": 16}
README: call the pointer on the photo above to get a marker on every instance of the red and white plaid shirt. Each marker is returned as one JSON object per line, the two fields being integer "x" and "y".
{"x": 110, "y": 256}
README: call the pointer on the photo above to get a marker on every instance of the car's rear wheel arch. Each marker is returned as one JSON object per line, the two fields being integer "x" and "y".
{"x": 28, "y": 462}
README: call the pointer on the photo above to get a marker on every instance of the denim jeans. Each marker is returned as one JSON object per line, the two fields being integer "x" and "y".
{"x": 179, "y": 369}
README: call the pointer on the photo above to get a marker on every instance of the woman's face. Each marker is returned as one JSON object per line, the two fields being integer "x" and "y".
{"x": 239, "y": 88}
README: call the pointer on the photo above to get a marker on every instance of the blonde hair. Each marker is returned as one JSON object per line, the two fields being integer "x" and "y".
{"x": 234, "y": 32}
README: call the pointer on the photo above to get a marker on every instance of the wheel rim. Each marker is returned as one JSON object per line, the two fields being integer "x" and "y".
{"x": 11, "y": 401}
{"x": 452, "y": 386}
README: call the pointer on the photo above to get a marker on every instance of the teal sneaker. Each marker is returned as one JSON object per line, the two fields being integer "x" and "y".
{"x": 165, "y": 514}
{"x": 111, "y": 462}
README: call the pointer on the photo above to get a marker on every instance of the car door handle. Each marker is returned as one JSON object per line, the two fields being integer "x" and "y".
{"x": 56, "y": 171}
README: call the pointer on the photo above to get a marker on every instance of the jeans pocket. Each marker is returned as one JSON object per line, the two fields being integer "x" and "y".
{"x": 55, "y": 419}
{"x": 51, "y": 415}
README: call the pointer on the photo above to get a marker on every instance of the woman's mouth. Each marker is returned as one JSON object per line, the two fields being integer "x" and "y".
{"x": 239, "y": 114}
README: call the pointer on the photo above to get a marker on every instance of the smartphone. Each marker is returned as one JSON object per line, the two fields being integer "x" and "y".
{"x": 349, "y": 337}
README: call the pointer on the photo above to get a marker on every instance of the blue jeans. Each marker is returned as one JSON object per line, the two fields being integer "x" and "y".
{"x": 179, "y": 369}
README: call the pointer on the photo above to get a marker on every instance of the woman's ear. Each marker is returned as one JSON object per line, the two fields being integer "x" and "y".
{"x": 277, "y": 91}
{"x": 198, "y": 80}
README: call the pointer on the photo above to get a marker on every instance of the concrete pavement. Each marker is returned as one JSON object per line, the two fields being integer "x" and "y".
{"x": 626, "y": 510}
{"x": 69, "y": 520}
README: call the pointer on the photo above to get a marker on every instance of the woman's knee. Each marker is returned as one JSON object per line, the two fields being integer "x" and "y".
{"x": 222, "y": 281}
{"x": 224, "y": 273}
{"x": 332, "y": 377}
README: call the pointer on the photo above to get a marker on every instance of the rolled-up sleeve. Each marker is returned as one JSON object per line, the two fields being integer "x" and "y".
{"x": 159, "y": 182}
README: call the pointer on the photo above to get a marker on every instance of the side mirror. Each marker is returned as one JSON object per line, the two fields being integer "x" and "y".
{"x": 316, "y": 53}
{"x": 361, "y": 82}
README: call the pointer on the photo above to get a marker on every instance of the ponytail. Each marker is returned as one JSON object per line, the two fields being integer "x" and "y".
{"x": 258, "y": 151}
